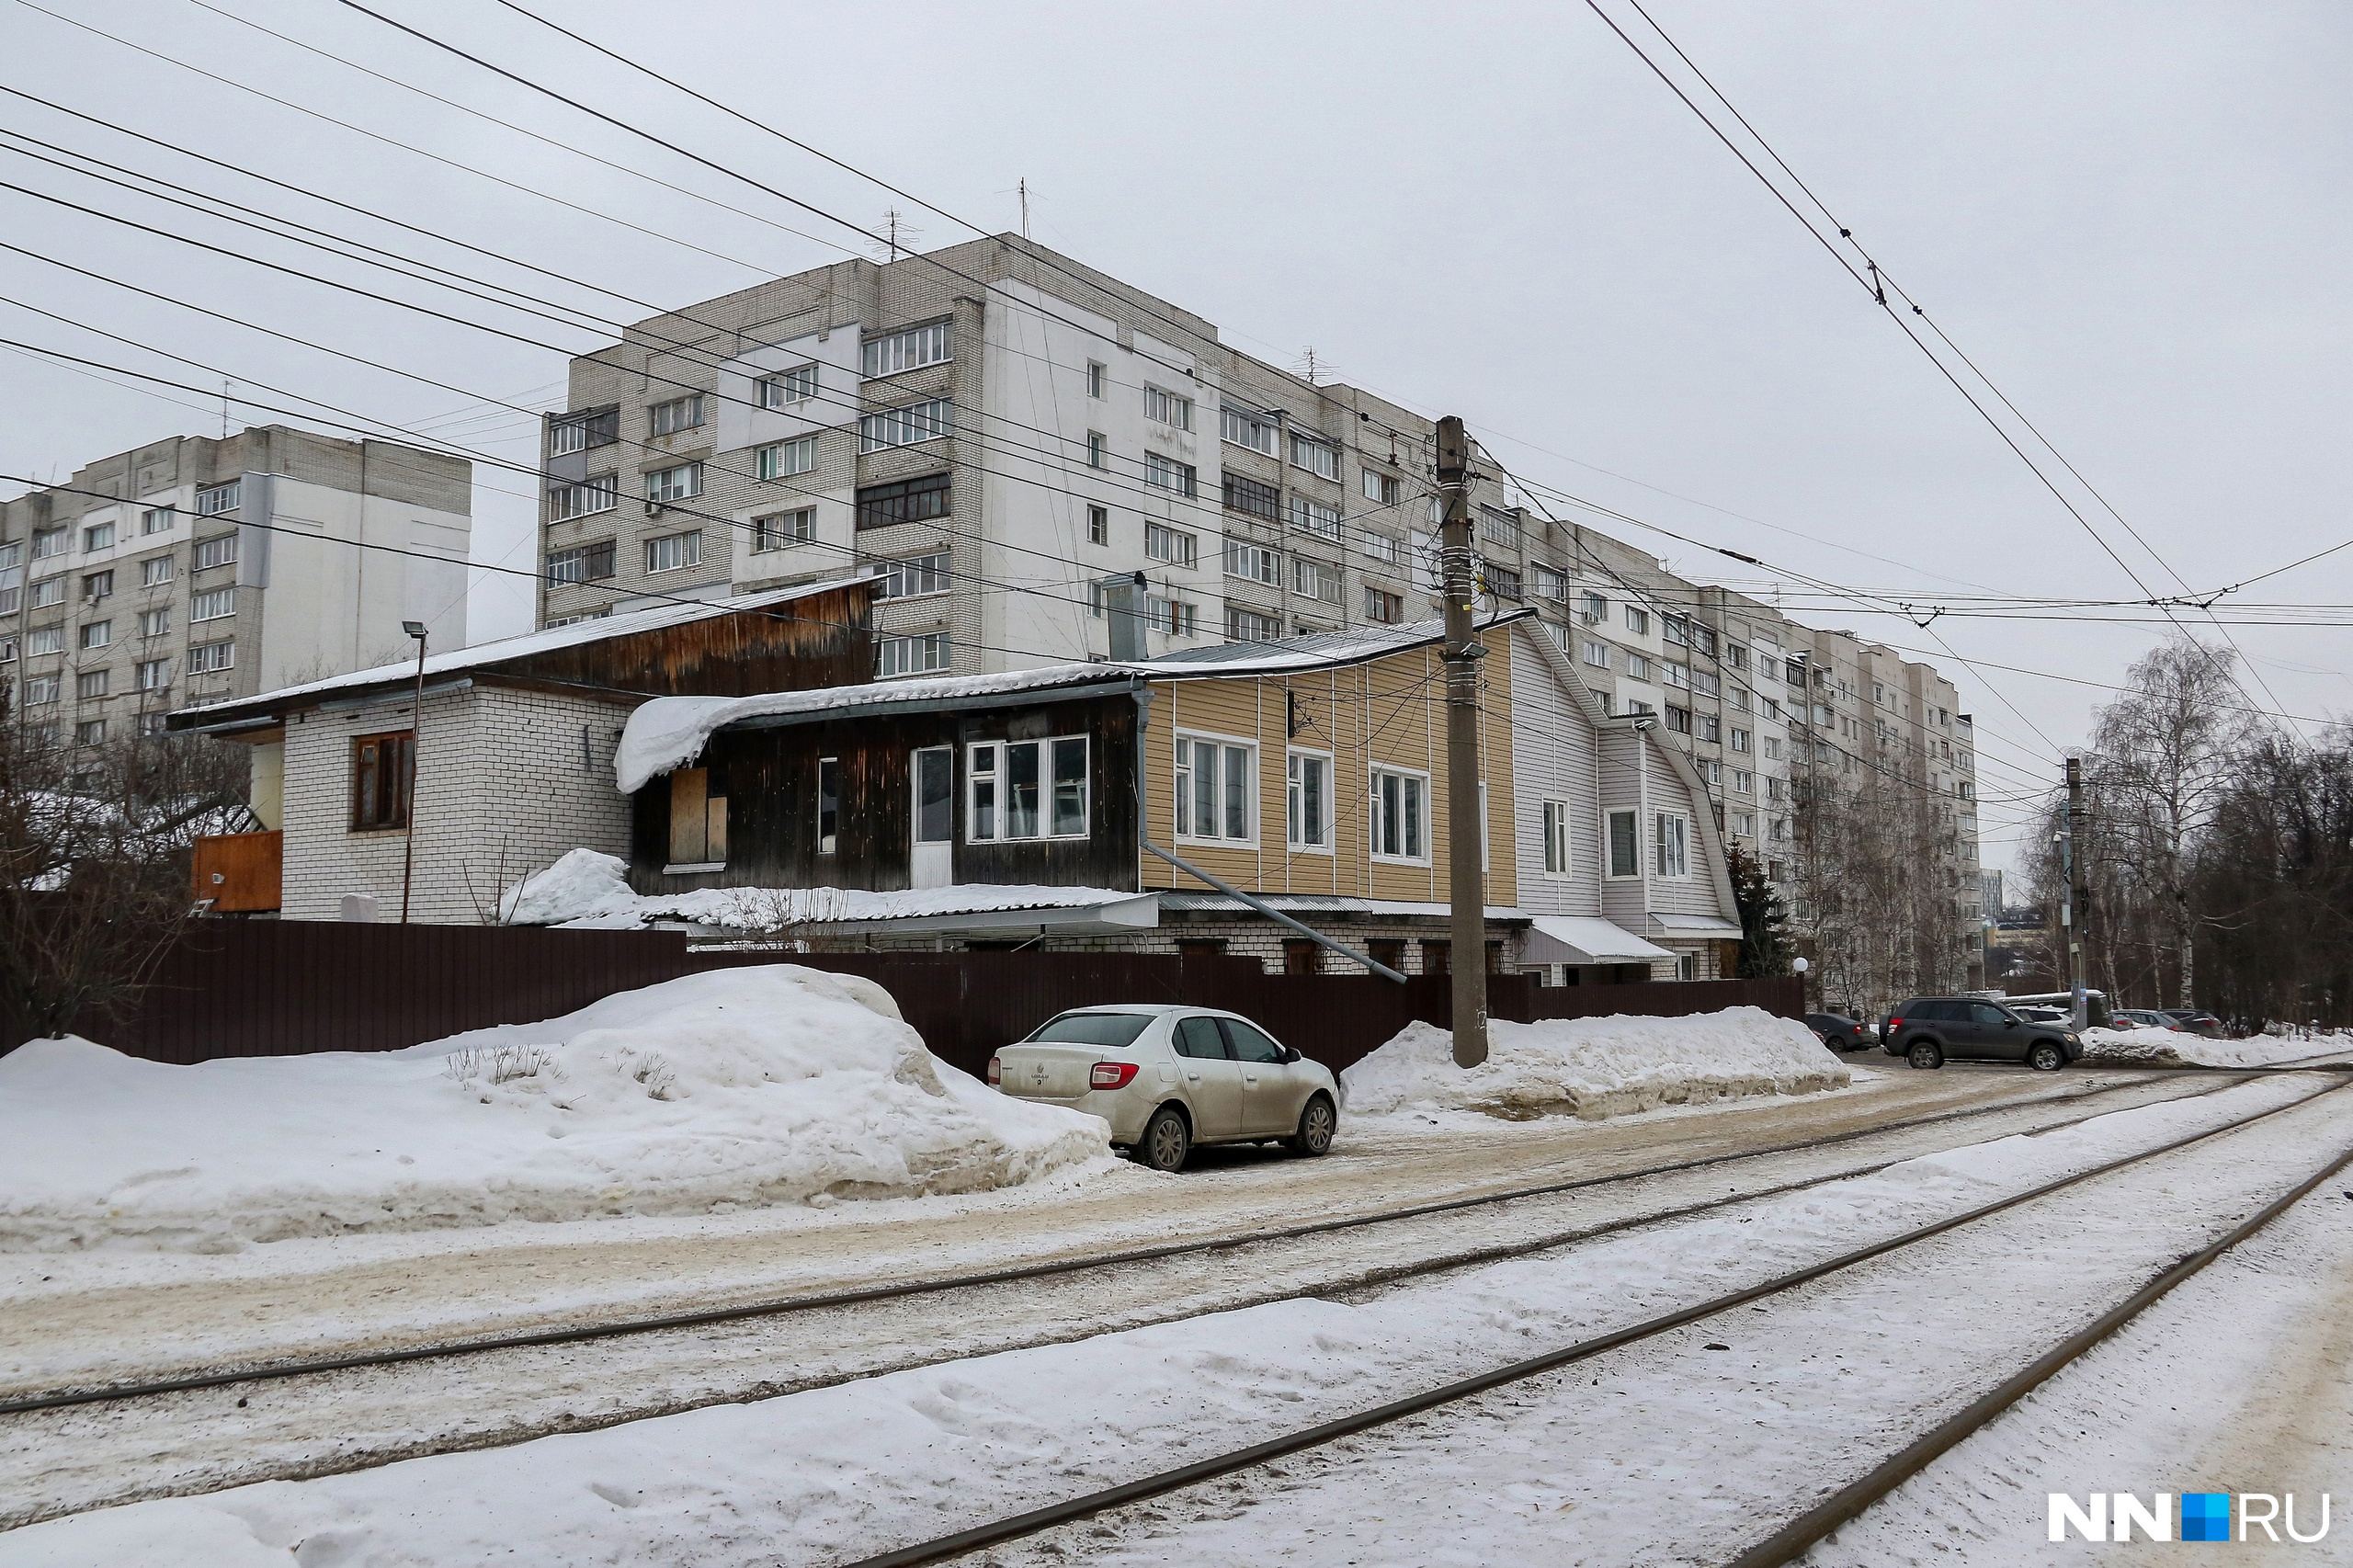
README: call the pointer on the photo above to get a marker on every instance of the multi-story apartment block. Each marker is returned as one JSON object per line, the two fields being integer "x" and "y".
{"x": 196, "y": 570}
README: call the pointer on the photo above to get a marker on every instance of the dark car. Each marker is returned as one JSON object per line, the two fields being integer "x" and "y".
{"x": 1929, "y": 1030}
{"x": 2196, "y": 1021}
{"x": 1838, "y": 1032}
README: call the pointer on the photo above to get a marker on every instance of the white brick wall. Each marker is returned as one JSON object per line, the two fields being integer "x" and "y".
{"x": 500, "y": 772}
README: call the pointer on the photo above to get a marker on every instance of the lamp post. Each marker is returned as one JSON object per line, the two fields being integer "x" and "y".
{"x": 416, "y": 738}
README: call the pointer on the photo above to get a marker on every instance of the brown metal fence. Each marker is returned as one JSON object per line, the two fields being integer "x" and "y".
{"x": 279, "y": 988}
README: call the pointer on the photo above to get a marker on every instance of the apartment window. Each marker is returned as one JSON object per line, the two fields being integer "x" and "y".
{"x": 581, "y": 563}
{"x": 1162, "y": 407}
{"x": 1672, "y": 836}
{"x": 1307, "y": 800}
{"x": 678, "y": 414}
{"x": 1173, "y": 545}
{"x": 212, "y": 604}
{"x": 1499, "y": 527}
{"x": 1380, "y": 547}
{"x": 1178, "y": 617}
{"x": 1096, "y": 374}
{"x": 1314, "y": 580}
{"x": 1424, "y": 550}
{"x": 1625, "y": 847}
{"x": 1384, "y": 488}
{"x": 1676, "y": 629}
{"x": 1500, "y": 581}
{"x": 780, "y": 529}
{"x": 1743, "y": 783}
{"x": 782, "y": 459}
{"x": 1739, "y": 740}
{"x": 211, "y": 658}
{"x": 1678, "y": 718}
{"x": 219, "y": 550}
{"x": 1638, "y": 622}
{"x": 48, "y": 542}
{"x": 1253, "y": 562}
{"x": 1027, "y": 789}
{"x": 7, "y": 649}
{"x": 1250, "y": 625}
{"x": 1705, "y": 684}
{"x": 154, "y": 674}
{"x": 911, "y": 425}
{"x": 1637, "y": 667}
{"x": 908, "y": 501}
{"x": 1707, "y": 726}
{"x": 98, "y": 535}
{"x": 41, "y": 690}
{"x": 916, "y": 575}
{"x": 1215, "y": 787}
{"x": 1317, "y": 519}
{"x": 213, "y": 499}
{"x": 90, "y": 733}
{"x": 1166, "y": 473}
{"x": 1794, "y": 672}
{"x": 97, "y": 634}
{"x": 43, "y": 639}
{"x": 1595, "y": 609}
{"x": 1316, "y": 457}
{"x": 910, "y": 655}
{"x": 97, "y": 584}
{"x": 681, "y": 481}
{"x": 155, "y": 570}
{"x": 1400, "y": 817}
{"x": 1556, "y": 838}
{"x": 1099, "y": 450}
{"x": 908, "y": 350}
{"x": 829, "y": 804}
{"x": 1711, "y": 773}
{"x": 382, "y": 771}
{"x": 1249, "y": 496}
{"x": 787, "y": 387}
{"x": 672, "y": 552}
{"x": 1383, "y": 606}
{"x": 598, "y": 493}
{"x": 1099, "y": 525}
{"x": 579, "y": 432}
{"x": 1551, "y": 583}
{"x": 1772, "y": 748}
{"x": 1596, "y": 654}
{"x": 1244, "y": 428}
{"x": 158, "y": 519}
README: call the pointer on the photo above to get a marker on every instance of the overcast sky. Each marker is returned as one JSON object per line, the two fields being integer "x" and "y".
{"x": 2133, "y": 217}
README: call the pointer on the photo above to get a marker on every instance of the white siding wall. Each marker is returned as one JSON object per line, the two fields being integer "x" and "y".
{"x": 1552, "y": 759}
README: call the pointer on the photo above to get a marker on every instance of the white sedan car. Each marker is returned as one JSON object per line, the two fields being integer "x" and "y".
{"x": 1168, "y": 1077}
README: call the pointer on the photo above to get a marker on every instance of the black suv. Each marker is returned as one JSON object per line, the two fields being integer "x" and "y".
{"x": 1928, "y": 1029}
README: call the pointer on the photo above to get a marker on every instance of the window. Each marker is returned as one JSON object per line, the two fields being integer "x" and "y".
{"x": 1178, "y": 617}
{"x": 1096, "y": 376}
{"x": 910, "y": 655}
{"x": 1316, "y": 457}
{"x": 212, "y": 604}
{"x": 1215, "y": 785}
{"x": 1307, "y": 800}
{"x": 1556, "y": 838}
{"x": 1595, "y": 609}
{"x": 1672, "y": 840}
{"x": 1168, "y": 473}
{"x": 382, "y": 771}
{"x": 908, "y": 501}
{"x": 1099, "y": 525}
{"x": 220, "y": 550}
{"x": 907, "y": 427}
{"x": 97, "y": 633}
{"x": 1707, "y": 727}
{"x": 40, "y": 689}
{"x": 1637, "y": 667}
{"x": 1638, "y": 622}
{"x": 1706, "y": 684}
{"x": 1027, "y": 789}
{"x": 1253, "y": 563}
{"x": 1315, "y": 517}
{"x": 213, "y": 499}
{"x": 1500, "y": 581}
{"x": 97, "y": 584}
{"x": 1172, "y": 545}
{"x": 1099, "y": 450}
{"x": 598, "y": 493}
{"x": 829, "y": 803}
{"x": 154, "y": 674}
{"x": 1596, "y": 654}
{"x": 1314, "y": 580}
{"x": 158, "y": 519}
{"x": 1794, "y": 672}
{"x": 579, "y": 432}
{"x": 1168, "y": 408}
{"x": 48, "y": 542}
{"x": 1246, "y": 430}
{"x": 1625, "y": 850}
{"x": 7, "y": 649}
{"x": 1738, "y": 697}
{"x": 1383, "y": 606}
{"x": 1383, "y": 488}
{"x": 1380, "y": 547}
{"x": 1676, "y": 629}
{"x": 581, "y": 563}
{"x": 680, "y": 482}
{"x": 796, "y": 385}
{"x": 1426, "y": 559}
{"x": 906, "y": 350}
{"x": 1250, "y": 625}
{"x": 90, "y": 733}
{"x": 155, "y": 570}
{"x": 674, "y": 552}
{"x": 1744, "y": 823}
{"x": 916, "y": 575}
{"x": 211, "y": 658}
{"x": 1678, "y": 718}
{"x": 1743, "y": 783}
{"x": 780, "y": 529}
{"x": 1400, "y": 826}
{"x": 98, "y": 535}
{"x": 45, "y": 639}
{"x": 1248, "y": 495}
{"x": 678, "y": 414}
{"x": 1551, "y": 583}
{"x": 782, "y": 459}
{"x": 1499, "y": 527}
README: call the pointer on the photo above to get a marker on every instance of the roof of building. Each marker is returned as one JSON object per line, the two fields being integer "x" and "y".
{"x": 1315, "y": 651}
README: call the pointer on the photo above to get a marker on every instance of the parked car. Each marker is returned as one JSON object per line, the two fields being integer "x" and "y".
{"x": 2196, "y": 1021}
{"x": 2142, "y": 1019}
{"x": 2041, "y": 1015}
{"x": 1929, "y": 1030}
{"x": 1840, "y": 1032}
{"x": 1168, "y": 1078}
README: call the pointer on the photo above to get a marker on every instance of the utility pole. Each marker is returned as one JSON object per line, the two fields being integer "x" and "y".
{"x": 416, "y": 743}
{"x": 1467, "y": 877}
{"x": 2079, "y": 901}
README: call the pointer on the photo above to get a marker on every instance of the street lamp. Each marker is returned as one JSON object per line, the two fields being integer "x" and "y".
{"x": 416, "y": 738}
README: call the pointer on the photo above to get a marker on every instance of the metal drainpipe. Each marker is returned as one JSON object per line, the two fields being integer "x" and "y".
{"x": 1144, "y": 836}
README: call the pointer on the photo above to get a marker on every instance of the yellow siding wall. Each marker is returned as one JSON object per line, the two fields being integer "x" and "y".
{"x": 1390, "y": 711}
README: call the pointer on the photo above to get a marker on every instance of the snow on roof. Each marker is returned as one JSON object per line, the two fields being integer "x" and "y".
{"x": 1317, "y": 650}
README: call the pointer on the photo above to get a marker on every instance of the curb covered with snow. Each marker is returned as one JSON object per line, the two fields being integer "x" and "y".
{"x": 737, "y": 1087}
{"x": 1593, "y": 1068}
{"x": 2173, "y": 1047}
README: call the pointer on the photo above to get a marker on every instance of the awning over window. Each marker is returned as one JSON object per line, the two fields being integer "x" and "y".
{"x": 1696, "y": 924}
{"x": 1579, "y": 938}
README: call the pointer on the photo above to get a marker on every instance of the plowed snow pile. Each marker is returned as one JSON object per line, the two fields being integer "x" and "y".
{"x": 1593, "y": 1068}
{"x": 2171, "y": 1048}
{"x": 755, "y": 1086}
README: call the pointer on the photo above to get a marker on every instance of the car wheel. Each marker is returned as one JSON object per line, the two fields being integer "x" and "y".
{"x": 2046, "y": 1057}
{"x": 1315, "y": 1126}
{"x": 1167, "y": 1142}
{"x": 1927, "y": 1054}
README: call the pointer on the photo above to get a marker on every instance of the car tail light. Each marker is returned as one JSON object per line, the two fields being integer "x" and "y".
{"x": 1895, "y": 1023}
{"x": 1111, "y": 1075}
{"x": 996, "y": 1070}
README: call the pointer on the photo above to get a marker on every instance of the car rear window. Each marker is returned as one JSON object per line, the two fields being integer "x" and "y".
{"x": 1092, "y": 1028}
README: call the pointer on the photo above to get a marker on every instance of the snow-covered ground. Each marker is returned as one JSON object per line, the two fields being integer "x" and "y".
{"x": 1690, "y": 1449}
{"x": 732, "y": 1088}
{"x": 2173, "y": 1047}
{"x": 1593, "y": 1068}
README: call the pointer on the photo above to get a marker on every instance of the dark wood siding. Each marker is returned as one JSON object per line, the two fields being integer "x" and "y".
{"x": 823, "y": 640}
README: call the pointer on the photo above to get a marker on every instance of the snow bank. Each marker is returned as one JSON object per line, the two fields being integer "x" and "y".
{"x": 1593, "y": 1068}
{"x": 755, "y": 1086}
{"x": 2172, "y": 1047}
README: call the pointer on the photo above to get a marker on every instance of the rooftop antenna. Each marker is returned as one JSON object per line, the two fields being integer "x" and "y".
{"x": 1310, "y": 368}
{"x": 1023, "y": 186}
{"x": 897, "y": 234}
{"x": 225, "y": 385}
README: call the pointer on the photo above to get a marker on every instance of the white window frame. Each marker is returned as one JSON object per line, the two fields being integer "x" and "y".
{"x": 1323, "y": 456}
{"x": 1174, "y": 545}
{"x": 1638, "y": 667}
{"x": 1413, "y": 784}
{"x": 673, "y": 416}
{"x": 598, "y": 493}
{"x": 1380, "y": 547}
{"x": 1385, "y": 489}
{"x": 1638, "y": 622}
{"x": 910, "y": 424}
{"x": 1166, "y": 473}
{"x": 1592, "y": 649}
{"x": 211, "y": 658}
{"x": 156, "y": 571}
{"x": 204, "y": 604}
{"x": 1185, "y": 792}
{"x": 98, "y": 537}
{"x": 43, "y": 641}
{"x": 1671, "y": 845}
{"x": 783, "y": 459}
{"x": 888, "y": 651}
{"x": 665, "y": 484}
{"x": 1310, "y": 578}
{"x": 1609, "y": 820}
{"x": 210, "y": 554}
{"x": 1272, "y": 625}
{"x": 156, "y": 622}
{"x": 1172, "y": 617}
{"x": 1164, "y": 407}
{"x": 1099, "y": 526}
{"x": 1297, "y": 765}
{"x": 149, "y": 522}
{"x": 786, "y": 388}
{"x": 1556, "y": 841}
{"x": 1252, "y": 433}
{"x": 153, "y": 674}
{"x": 909, "y": 348}
{"x": 1096, "y": 374}
{"x": 988, "y": 773}
{"x": 777, "y": 530}
{"x": 916, "y": 576}
{"x": 1253, "y": 563}
{"x": 211, "y": 500}
{"x": 1310, "y": 515}
{"x": 688, "y": 543}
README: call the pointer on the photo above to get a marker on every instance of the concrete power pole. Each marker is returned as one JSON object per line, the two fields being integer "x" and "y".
{"x": 1467, "y": 879}
{"x": 2079, "y": 900}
